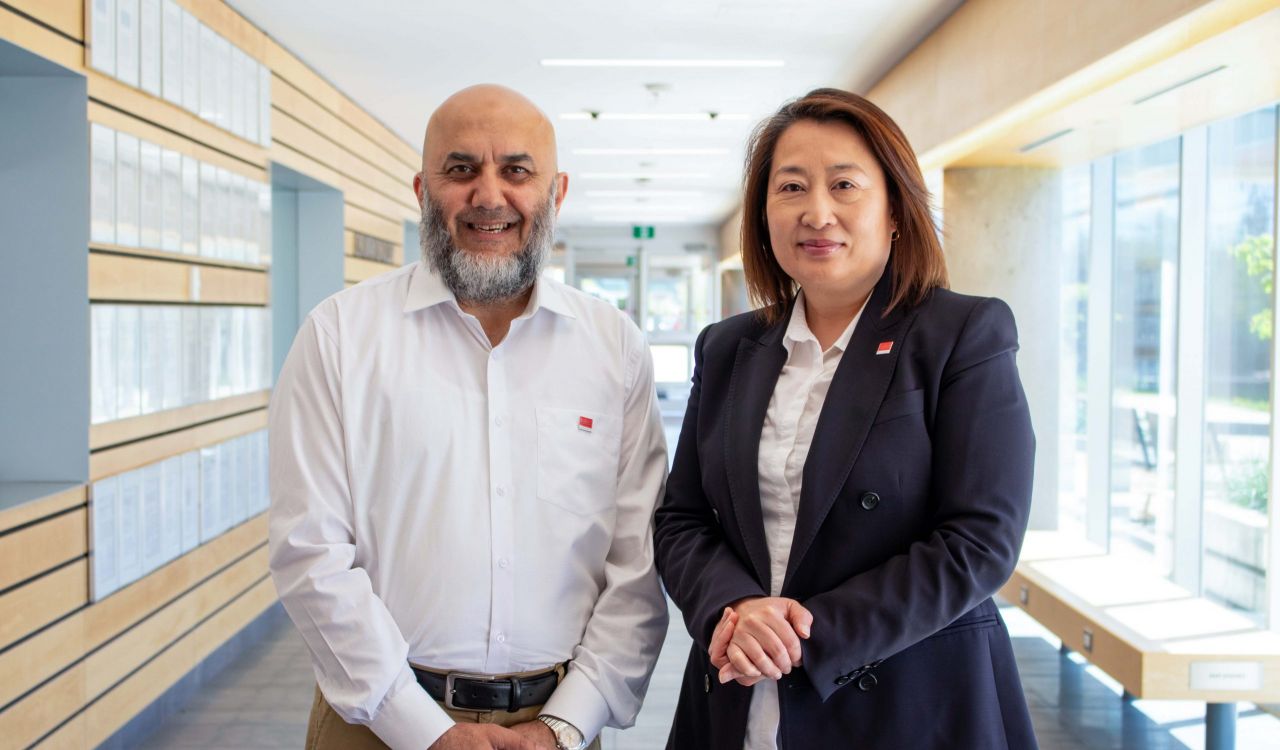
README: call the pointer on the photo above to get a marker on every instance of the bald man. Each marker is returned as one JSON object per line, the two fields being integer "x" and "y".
{"x": 465, "y": 461}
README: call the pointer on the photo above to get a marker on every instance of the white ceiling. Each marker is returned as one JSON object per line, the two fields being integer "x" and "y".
{"x": 400, "y": 58}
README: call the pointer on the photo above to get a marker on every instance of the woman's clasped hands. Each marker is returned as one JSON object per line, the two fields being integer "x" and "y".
{"x": 758, "y": 638}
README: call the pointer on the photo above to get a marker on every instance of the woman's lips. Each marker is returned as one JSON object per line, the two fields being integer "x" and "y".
{"x": 820, "y": 247}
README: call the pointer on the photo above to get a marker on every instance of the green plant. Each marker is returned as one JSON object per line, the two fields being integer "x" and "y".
{"x": 1247, "y": 485}
{"x": 1257, "y": 253}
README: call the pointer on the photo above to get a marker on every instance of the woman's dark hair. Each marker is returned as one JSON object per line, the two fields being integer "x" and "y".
{"x": 917, "y": 260}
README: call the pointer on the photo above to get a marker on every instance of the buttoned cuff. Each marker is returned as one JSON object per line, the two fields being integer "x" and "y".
{"x": 408, "y": 718}
{"x": 578, "y": 702}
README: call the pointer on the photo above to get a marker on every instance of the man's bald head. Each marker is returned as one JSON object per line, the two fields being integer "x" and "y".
{"x": 488, "y": 110}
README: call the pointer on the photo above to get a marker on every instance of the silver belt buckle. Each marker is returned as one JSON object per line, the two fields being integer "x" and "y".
{"x": 450, "y": 678}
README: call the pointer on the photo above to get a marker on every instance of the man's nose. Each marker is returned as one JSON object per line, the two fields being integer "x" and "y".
{"x": 487, "y": 192}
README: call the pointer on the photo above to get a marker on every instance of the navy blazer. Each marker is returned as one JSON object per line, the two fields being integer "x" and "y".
{"x": 913, "y": 507}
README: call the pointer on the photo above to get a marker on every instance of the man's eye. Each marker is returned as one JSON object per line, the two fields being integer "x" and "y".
{"x": 518, "y": 170}
{"x": 459, "y": 169}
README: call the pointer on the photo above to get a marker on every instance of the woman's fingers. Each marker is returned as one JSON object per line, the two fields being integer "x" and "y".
{"x": 754, "y": 650}
{"x": 740, "y": 662}
{"x": 720, "y": 639}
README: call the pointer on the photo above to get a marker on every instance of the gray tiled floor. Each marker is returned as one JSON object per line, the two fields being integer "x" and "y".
{"x": 261, "y": 700}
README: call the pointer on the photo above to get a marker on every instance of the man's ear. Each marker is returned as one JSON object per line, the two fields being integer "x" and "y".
{"x": 562, "y": 188}
{"x": 418, "y": 188}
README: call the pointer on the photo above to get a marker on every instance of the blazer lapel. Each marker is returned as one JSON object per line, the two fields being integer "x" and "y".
{"x": 857, "y": 390}
{"x": 755, "y": 373}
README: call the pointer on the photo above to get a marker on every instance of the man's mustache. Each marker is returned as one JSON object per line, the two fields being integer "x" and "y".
{"x": 488, "y": 216}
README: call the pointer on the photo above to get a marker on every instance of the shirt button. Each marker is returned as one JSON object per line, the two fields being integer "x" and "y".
{"x": 500, "y": 491}
{"x": 498, "y": 421}
{"x": 502, "y": 638}
{"x": 502, "y": 563}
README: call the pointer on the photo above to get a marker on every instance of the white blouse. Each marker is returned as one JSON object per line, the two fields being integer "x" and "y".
{"x": 789, "y": 425}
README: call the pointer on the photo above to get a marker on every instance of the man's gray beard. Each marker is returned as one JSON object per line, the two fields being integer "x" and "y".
{"x": 486, "y": 277}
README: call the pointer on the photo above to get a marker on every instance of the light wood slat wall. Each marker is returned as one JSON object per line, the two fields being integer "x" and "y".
{"x": 76, "y": 671}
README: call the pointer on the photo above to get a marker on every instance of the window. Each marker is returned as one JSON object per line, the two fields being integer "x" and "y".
{"x": 1144, "y": 330}
{"x": 1073, "y": 455}
{"x": 1240, "y": 229}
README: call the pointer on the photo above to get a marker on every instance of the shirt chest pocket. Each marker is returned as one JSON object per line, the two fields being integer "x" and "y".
{"x": 578, "y": 459}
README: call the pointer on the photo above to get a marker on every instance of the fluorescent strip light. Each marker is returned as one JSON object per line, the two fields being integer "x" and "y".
{"x": 644, "y": 193}
{"x": 651, "y": 151}
{"x": 632, "y": 219}
{"x": 643, "y": 176}
{"x": 1179, "y": 84}
{"x": 1024, "y": 148}
{"x": 633, "y": 116}
{"x": 652, "y": 63}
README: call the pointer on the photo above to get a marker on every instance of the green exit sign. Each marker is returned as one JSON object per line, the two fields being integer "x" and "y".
{"x": 642, "y": 233}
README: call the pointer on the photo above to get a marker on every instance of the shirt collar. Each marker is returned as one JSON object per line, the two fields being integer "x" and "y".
{"x": 798, "y": 327}
{"x": 427, "y": 289}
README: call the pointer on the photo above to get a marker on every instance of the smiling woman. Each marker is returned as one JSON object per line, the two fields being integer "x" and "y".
{"x": 853, "y": 476}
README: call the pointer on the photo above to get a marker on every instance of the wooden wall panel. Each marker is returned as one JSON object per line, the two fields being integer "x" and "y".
{"x": 75, "y": 672}
{"x": 135, "y": 428}
{"x": 124, "y": 458}
{"x": 40, "y": 602}
{"x": 43, "y": 546}
{"x": 359, "y": 269}
{"x": 46, "y": 506}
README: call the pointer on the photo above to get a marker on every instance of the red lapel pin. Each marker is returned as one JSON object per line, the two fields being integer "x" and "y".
{"x": 884, "y": 348}
{"x": 584, "y": 424}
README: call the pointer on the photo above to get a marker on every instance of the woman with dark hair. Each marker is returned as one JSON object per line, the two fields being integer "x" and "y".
{"x": 853, "y": 477}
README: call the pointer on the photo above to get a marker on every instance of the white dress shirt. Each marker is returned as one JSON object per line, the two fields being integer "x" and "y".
{"x": 788, "y": 430}
{"x": 461, "y": 506}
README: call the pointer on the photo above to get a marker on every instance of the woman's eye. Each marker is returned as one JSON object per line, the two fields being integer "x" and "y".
{"x": 790, "y": 187}
{"x": 844, "y": 185}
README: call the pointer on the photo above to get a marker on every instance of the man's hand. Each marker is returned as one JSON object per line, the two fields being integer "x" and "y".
{"x": 484, "y": 737}
{"x": 536, "y": 732}
{"x": 765, "y": 639}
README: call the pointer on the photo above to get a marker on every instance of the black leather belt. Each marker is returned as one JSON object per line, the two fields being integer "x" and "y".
{"x": 479, "y": 692}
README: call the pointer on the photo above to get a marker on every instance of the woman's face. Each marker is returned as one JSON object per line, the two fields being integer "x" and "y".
{"x": 827, "y": 207}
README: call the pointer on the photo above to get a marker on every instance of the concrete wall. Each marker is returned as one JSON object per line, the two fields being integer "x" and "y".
{"x": 1003, "y": 240}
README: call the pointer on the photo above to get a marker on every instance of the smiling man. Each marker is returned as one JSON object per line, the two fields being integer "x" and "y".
{"x": 465, "y": 460}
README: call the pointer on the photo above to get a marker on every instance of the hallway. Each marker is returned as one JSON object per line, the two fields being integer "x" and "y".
{"x": 262, "y": 694}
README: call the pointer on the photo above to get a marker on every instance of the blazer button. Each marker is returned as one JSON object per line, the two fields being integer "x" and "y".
{"x": 842, "y": 679}
{"x": 867, "y": 682}
{"x": 706, "y": 683}
{"x": 870, "y": 500}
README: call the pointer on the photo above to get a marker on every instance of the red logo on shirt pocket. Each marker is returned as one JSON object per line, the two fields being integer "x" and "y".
{"x": 584, "y": 424}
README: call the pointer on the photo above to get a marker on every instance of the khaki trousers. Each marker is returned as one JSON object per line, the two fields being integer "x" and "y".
{"x": 326, "y": 730}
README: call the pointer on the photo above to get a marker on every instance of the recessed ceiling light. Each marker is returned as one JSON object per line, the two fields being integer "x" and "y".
{"x": 651, "y": 151}
{"x": 658, "y": 63}
{"x": 690, "y": 116}
{"x": 644, "y": 193}
{"x": 643, "y": 176}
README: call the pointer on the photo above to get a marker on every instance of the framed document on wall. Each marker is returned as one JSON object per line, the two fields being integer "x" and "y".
{"x": 264, "y": 105}
{"x": 171, "y": 57}
{"x": 150, "y": 53}
{"x": 127, "y": 42}
{"x": 208, "y": 73}
{"x": 128, "y": 181}
{"x": 102, "y": 351}
{"x": 171, "y": 201}
{"x": 104, "y": 555}
{"x": 128, "y": 543}
{"x": 190, "y": 500}
{"x": 152, "y": 222}
{"x": 193, "y": 366}
{"x": 210, "y": 494}
{"x": 151, "y": 521}
{"x": 171, "y": 538}
{"x": 102, "y": 36}
{"x": 190, "y": 62}
{"x": 222, "y": 117}
{"x": 151, "y": 374}
{"x": 190, "y": 205}
{"x": 102, "y": 178}
{"x": 171, "y": 351}
{"x": 236, "y": 81}
{"x": 251, "y": 116}
{"x": 128, "y": 377}
{"x": 208, "y": 200}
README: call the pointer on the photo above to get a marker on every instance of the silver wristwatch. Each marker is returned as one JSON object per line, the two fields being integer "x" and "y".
{"x": 568, "y": 737}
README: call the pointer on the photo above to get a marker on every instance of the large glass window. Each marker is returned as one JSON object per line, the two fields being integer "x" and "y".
{"x": 1073, "y": 455}
{"x": 1144, "y": 330}
{"x": 1237, "y": 419}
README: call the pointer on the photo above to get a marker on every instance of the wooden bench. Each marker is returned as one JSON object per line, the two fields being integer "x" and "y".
{"x": 1155, "y": 638}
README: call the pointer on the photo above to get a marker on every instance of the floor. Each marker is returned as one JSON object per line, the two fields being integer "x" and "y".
{"x": 261, "y": 699}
